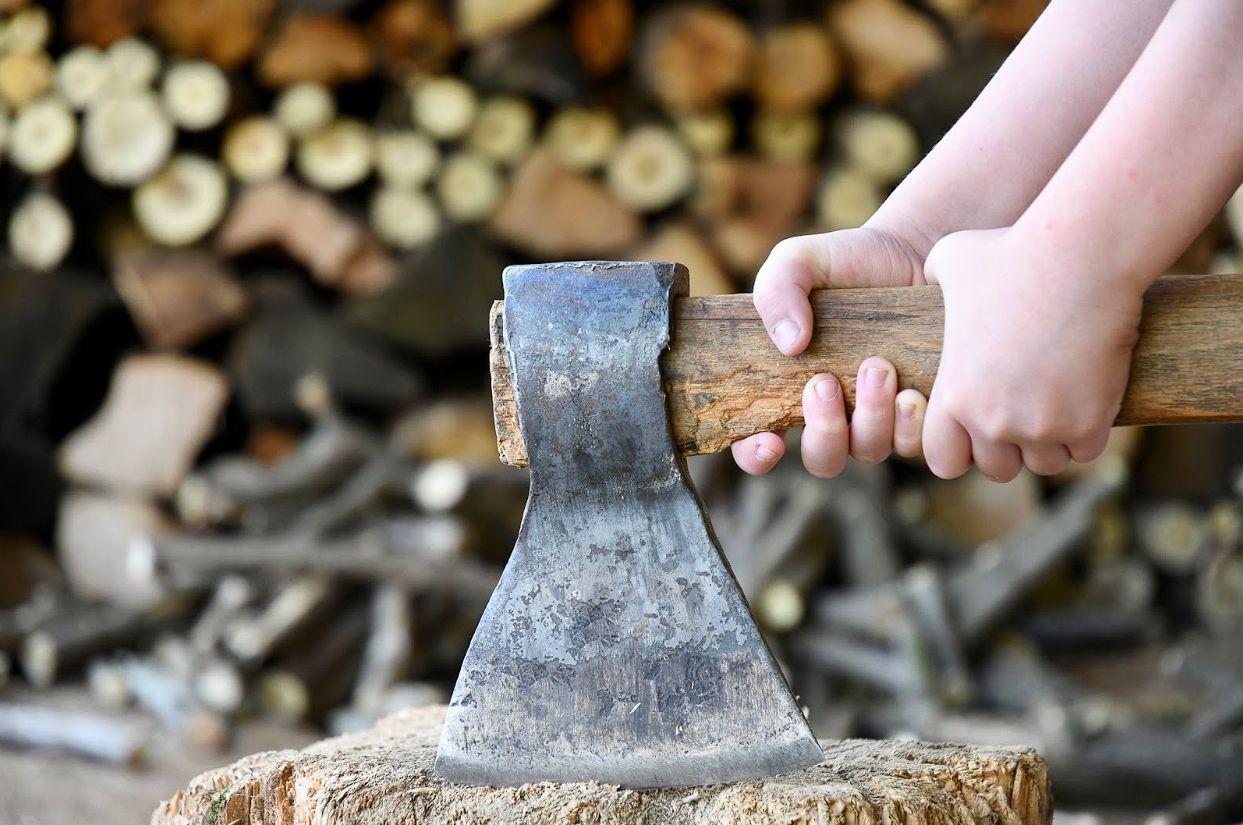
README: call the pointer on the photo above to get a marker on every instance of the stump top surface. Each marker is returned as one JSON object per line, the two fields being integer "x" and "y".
{"x": 384, "y": 775}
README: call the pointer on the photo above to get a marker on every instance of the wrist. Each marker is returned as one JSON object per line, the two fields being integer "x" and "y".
{"x": 1072, "y": 258}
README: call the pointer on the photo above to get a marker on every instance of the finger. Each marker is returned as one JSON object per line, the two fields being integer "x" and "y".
{"x": 826, "y": 437}
{"x": 1089, "y": 448}
{"x": 1000, "y": 462}
{"x": 759, "y": 453}
{"x": 1045, "y": 459}
{"x": 947, "y": 445}
{"x": 781, "y": 289}
{"x": 871, "y": 424}
{"x": 908, "y": 423}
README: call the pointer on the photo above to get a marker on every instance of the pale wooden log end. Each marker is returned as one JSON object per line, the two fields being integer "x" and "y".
{"x": 385, "y": 775}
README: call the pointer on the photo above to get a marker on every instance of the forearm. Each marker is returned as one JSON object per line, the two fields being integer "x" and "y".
{"x": 1161, "y": 159}
{"x": 990, "y": 166}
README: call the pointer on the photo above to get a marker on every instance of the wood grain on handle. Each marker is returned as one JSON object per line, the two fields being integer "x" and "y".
{"x": 726, "y": 380}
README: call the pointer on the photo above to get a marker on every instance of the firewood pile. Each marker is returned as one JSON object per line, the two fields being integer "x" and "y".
{"x": 248, "y": 458}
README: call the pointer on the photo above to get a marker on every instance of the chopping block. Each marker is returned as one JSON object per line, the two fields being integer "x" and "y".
{"x": 385, "y": 775}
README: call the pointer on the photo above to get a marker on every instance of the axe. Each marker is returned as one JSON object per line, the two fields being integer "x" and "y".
{"x": 617, "y": 646}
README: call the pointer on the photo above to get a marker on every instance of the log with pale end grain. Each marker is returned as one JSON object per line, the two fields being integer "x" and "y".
{"x": 27, "y": 30}
{"x": 130, "y": 66}
{"x": 25, "y": 77}
{"x": 724, "y": 379}
{"x": 552, "y": 212}
{"x": 196, "y": 94}
{"x": 651, "y": 168}
{"x": 582, "y": 139}
{"x": 40, "y": 231}
{"x": 413, "y": 36}
{"x": 846, "y": 198}
{"x": 403, "y": 218}
{"x": 878, "y": 143}
{"x": 338, "y": 157}
{"x": 305, "y": 109}
{"x": 351, "y": 778}
{"x": 503, "y": 129}
{"x": 226, "y": 32}
{"x": 888, "y": 45}
{"x": 178, "y": 298}
{"x": 683, "y": 243}
{"x": 469, "y": 187}
{"x": 43, "y": 136}
{"x": 603, "y": 34}
{"x": 80, "y": 76}
{"x": 480, "y": 20}
{"x": 159, "y": 412}
{"x": 695, "y": 56}
{"x": 125, "y": 139}
{"x": 786, "y": 137}
{"x": 102, "y": 22}
{"x": 183, "y": 202}
{"x": 709, "y": 133}
{"x": 93, "y": 535}
{"x": 69, "y": 639}
{"x": 444, "y": 107}
{"x": 325, "y": 49}
{"x": 798, "y": 68}
{"x": 406, "y": 159}
{"x": 1174, "y": 535}
{"x": 255, "y": 149}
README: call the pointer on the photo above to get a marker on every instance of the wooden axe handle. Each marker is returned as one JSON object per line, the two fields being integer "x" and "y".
{"x": 726, "y": 380}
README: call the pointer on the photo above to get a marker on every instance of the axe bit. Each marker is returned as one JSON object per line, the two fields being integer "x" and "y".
{"x": 617, "y": 646}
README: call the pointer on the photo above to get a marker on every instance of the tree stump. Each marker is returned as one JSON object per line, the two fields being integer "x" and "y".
{"x": 384, "y": 775}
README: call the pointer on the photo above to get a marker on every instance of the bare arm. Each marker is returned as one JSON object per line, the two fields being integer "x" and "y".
{"x": 991, "y": 165}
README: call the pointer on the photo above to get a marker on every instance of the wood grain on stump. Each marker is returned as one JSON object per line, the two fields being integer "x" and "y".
{"x": 384, "y": 775}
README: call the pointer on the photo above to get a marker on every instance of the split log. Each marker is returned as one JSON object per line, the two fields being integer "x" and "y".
{"x": 125, "y": 139}
{"x": 318, "y": 48}
{"x": 40, "y": 232}
{"x": 196, "y": 95}
{"x": 683, "y": 243}
{"x": 337, "y": 157}
{"x": 93, "y": 536}
{"x": 888, "y": 45}
{"x": 445, "y": 107}
{"x": 226, "y": 32}
{"x": 480, "y": 20}
{"x": 554, "y": 213}
{"x": 178, "y": 298}
{"x": 352, "y": 780}
{"x": 798, "y": 68}
{"x": 100, "y": 23}
{"x": 305, "y": 108}
{"x": 694, "y": 56}
{"x": 469, "y": 187}
{"x": 159, "y": 411}
{"x": 503, "y": 129}
{"x": 25, "y": 77}
{"x": 80, "y": 76}
{"x": 406, "y": 159}
{"x": 582, "y": 139}
{"x": 603, "y": 33}
{"x": 43, "y": 136}
{"x": 651, "y": 169}
{"x": 182, "y": 202}
{"x": 413, "y": 37}
{"x": 83, "y": 734}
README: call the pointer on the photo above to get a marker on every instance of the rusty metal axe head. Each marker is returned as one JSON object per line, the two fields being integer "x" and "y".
{"x": 617, "y": 646}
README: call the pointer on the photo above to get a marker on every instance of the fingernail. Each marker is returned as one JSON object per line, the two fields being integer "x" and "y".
{"x": 875, "y": 376}
{"x": 785, "y": 334}
{"x": 906, "y": 411}
{"x": 764, "y": 454}
{"x": 826, "y": 390}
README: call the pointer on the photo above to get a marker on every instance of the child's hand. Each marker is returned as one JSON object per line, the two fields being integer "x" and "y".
{"x": 883, "y": 420}
{"x": 1035, "y": 358}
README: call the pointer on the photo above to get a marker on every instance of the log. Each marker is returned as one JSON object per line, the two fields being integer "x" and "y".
{"x": 226, "y": 32}
{"x": 582, "y": 139}
{"x": 196, "y": 95}
{"x": 413, "y": 37}
{"x": 693, "y": 56}
{"x": 130, "y": 66}
{"x": 469, "y": 187}
{"x": 178, "y": 298}
{"x": 43, "y": 135}
{"x": 351, "y": 779}
{"x": 403, "y": 218}
{"x": 651, "y": 169}
{"x": 798, "y": 68}
{"x": 603, "y": 32}
{"x": 27, "y": 30}
{"x": 255, "y": 149}
{"x": 40, "y": 232}
{"x": 503, "y": 129}
{"x": 320, "y": 48}
{"x": 305, "y": 108}
{"x": 405, "y": 159}
{"x": 786, "y": 137}
{"x": 888, "y": 45}
{"x": 93, "y": 535}
{"x": 480, "y": 20}
{"x": 80, "y": 76}
{"x": 725, "y": 380}
{"x": 182, "y": 202}
{"x": 708, "y": 133}
{"x": 101, "y": 23}
{"x": 445, "y": 107}
{"x": 25, "y": 77}
{"x": 338, "y": 157}
{"x": 125, "y": 138}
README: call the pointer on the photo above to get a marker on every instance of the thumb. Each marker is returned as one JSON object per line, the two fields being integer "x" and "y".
{"x": 793, "y": 269}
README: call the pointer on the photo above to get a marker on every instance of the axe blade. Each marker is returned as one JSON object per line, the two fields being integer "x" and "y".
{"x": 617, "y": 646}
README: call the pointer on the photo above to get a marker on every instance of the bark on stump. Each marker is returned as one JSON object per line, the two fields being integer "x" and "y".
{"x": 385, "y": 775}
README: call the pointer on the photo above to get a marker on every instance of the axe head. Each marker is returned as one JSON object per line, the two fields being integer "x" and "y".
{"x": 617, "y": 646}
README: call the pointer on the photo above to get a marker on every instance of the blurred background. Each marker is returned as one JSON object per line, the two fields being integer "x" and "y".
{"x": 249, "y": 492}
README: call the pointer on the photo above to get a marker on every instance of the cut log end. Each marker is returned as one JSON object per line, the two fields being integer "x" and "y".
{"x": 860, "y": 781}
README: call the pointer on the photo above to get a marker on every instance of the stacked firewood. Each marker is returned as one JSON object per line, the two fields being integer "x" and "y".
{"x": 248, "y": 458}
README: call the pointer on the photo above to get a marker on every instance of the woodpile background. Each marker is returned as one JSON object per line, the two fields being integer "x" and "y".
{"x": 247, "y": 465}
